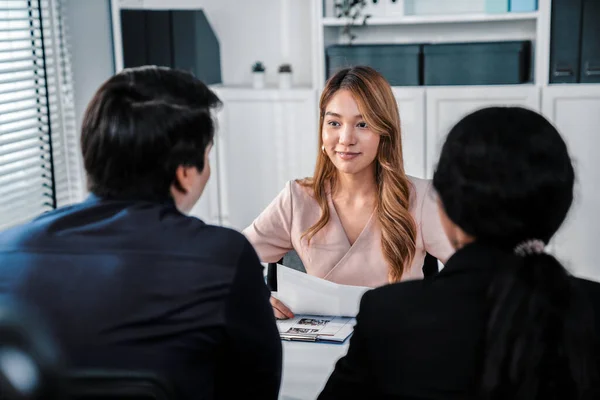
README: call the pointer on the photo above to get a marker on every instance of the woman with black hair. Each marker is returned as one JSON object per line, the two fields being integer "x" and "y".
{"x": 503, "y": 319}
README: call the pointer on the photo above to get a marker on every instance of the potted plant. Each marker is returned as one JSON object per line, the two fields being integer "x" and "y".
{"x": 258, "y": 75}
{"x": 285, "y": 76}
{"x": 351, "y": 11}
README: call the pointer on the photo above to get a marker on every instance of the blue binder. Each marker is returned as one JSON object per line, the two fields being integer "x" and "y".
{"x": 590, "y": 45}
{"x": 565, "y": 41}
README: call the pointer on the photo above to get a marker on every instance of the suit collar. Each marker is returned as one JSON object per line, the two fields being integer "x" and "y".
{"x": 95, "y": 199}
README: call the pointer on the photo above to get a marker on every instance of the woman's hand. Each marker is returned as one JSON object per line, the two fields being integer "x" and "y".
{"x": 280, "y": 310}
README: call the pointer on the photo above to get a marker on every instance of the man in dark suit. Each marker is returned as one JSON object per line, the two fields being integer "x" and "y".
{"x": 125, "y": 279}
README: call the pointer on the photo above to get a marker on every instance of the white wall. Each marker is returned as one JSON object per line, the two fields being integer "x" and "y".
{"x": 90, "y": 38}
{"x": 255, "y": 30}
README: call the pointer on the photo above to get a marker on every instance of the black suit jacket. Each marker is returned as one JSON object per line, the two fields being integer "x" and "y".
{"x": 424, "y": 339}
{"x": 138, "y": 285}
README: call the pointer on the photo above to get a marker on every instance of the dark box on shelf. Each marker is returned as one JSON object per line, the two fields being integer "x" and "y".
{"x": 182, "y": 39}
{"x": 489, "y": 63}
{"x": 399, "y": 64}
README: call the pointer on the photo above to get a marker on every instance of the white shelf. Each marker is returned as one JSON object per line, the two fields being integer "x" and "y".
{"x": 435, "y": 19}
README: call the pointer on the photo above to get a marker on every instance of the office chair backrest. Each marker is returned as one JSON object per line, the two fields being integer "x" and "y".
{"x": 290, "y": 260}
{"x": 30, "y": 361}
{"x": 106, "y": 384}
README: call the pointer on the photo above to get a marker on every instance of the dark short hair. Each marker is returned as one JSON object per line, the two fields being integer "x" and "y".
{"x": 140, "y": 126}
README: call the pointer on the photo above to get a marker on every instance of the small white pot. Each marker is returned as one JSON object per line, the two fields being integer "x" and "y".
{"x": 258, "y": 80}
{"x": 285, "y": 80}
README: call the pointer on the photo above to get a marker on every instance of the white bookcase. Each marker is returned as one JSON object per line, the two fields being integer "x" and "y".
{"x": 455, "y": 21}
{"x": 470, "y": 24}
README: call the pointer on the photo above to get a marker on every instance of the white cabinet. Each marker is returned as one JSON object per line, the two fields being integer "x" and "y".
{"x": 411, "y": 104}
{"x": 264, "y": 138}
{"x": 575, "y": 110}
{"x": 447, "y": 105}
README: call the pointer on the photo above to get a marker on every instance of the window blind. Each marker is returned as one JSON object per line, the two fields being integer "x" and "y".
{"x": 40, "y": 167}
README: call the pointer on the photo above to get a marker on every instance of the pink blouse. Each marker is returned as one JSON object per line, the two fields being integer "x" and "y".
{"x": 330, "y": 256}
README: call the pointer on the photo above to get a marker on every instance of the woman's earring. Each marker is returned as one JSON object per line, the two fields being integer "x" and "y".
{"x": 323, "y": 148}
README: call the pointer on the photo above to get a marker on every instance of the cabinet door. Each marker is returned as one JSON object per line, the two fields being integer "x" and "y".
{"x": 448, "y": 105}
{"x": 411, "y": 104}
{"x": 575, "y": 110}
{"x": 266, "y": 138}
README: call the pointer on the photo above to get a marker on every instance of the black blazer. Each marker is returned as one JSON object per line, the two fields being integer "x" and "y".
{"x": 423, "y": 339}
{"x": 138, "y": 285}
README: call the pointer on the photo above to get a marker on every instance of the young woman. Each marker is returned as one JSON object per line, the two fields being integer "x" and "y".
{"x": 503, "y": 319}
{"x": 360, "y": 220}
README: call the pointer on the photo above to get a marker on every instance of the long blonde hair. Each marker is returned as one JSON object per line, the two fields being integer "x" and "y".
{"x": 378, "y": 107}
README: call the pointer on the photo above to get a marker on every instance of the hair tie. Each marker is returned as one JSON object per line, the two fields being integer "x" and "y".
{"x": 529, "y": 247}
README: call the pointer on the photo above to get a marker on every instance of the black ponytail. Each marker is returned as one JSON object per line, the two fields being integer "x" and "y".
{"x": 538, "y": 334}
{"x": 505, "y": 177}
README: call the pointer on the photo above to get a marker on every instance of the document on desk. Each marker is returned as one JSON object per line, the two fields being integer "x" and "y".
{"x": 316, "y": 328}
{"x": 324, "y": 311}
{"x": 309, "y": 295}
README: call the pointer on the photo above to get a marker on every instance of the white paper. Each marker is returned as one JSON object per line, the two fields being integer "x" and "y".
{"x": 309, "y": 295}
